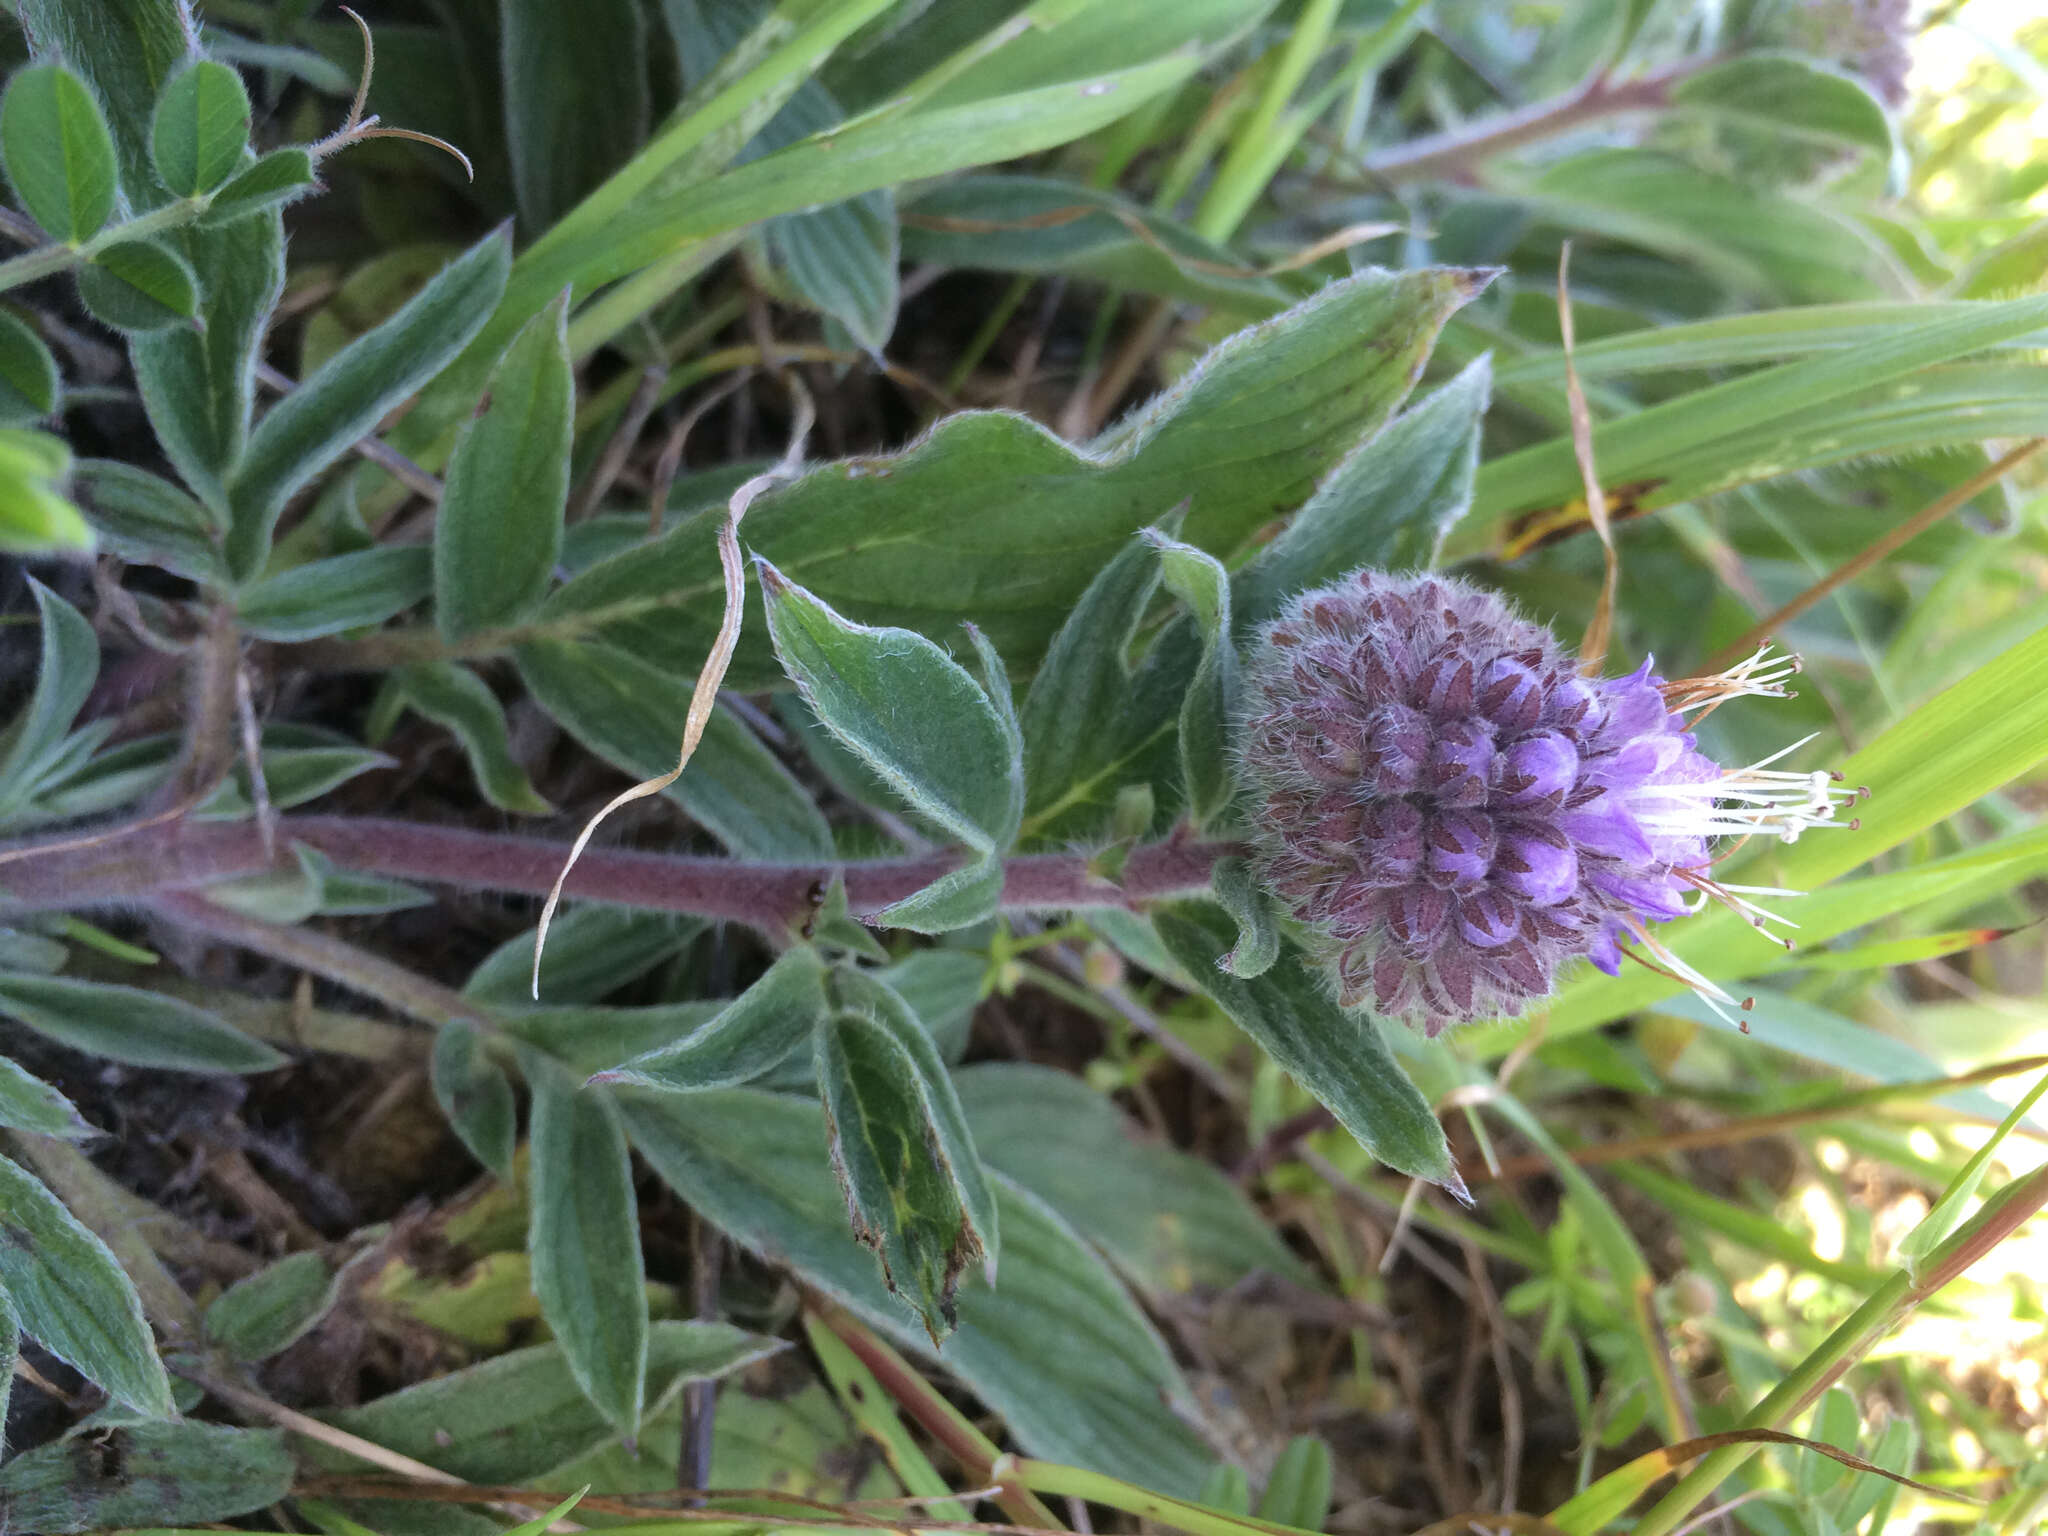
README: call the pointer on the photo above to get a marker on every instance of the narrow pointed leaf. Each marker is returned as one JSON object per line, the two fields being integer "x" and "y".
{"x": 1198, "y": 579}
{"x": 1069, "y": 715}
{"x": 1342, "y": 1058}
{"x": 28, "y": 374}
{"x": 70, "y": 1295}
{"x": 458, "y": 699}
{"x": 143, "y": 517}
{"x": 476, "y": 1096}
{"x": 315, "y": 424}
{"x": 71, "y": 660}
{"x": 266, "y": 1312}
{"x": 749, "y": 1036}
{"x": 341, "y": 592}
{"x": 907, "y": 709}
{"x": 282, "y": 176}
{"x": 144, "y": 1029}
{"x": 903, "y": 1204}
{"x": 27, "y": 1103}
{"x": 499, "y": 531}
{"x": 868, "y": 993}
{"x": 184, "y": 1473}
{"x": 584, "y": 1239}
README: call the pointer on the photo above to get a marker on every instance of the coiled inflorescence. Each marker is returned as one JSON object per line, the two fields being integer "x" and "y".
{"x": 1454, "y": 812}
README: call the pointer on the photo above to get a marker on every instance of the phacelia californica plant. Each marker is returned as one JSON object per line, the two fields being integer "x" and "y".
{"x": 1453, "y": 812}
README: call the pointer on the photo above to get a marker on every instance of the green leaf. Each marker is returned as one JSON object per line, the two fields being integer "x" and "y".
{"x": 630, "y": 712}
{"x": 989, "y": 502}
{"x": 1078, "y": 694}
{"x": 655, "y": 208}
{"x": 199, "y": 385}
{"x": 72, "y": 1298}
{"x": 499, "y": 531}
{"x": 841, "y": 261}
{"x": 1758, "y": 243}
{"x": 125, "y": 53}
{"x": 476, "y": 1096}
{"x": 593, "y": 949}
{"x": 27, "y": 1103}
{"x": 1341, "y": 1058}
{"x": 280, "y": 177}
{"x": 458, "y": 699}
{"x": 521, "y": 1414}
{"x": 146, "y": 1475}
{"x": 961, "y": 898}
{"x": 315, "y": 424}
{"x": 35, "y": 519}
{"x": 1640, "y": 446}
{"x": 903, "y": 1204}
{"x": 139, "y": 285}
{"x": 324, "y": 597}
{"x": 1788, "y": 94}
{"x": 71, "y": 660}
{"x": 1198, "y": 580}
{"x": 1389, "y": 505}
{"x": 1040, "y": 224}
{"x": 1168, "y": 1222}
{"x": 906, "y": 709}
{"x": 1109, "y": 1398}
{"x": 145, "y": 519}
{"x": 28, "y": 374}
{"x": 575, "y": 99}
{"x": 546, "y": 1522}
{"x": 748, "y": 1037}
{"x": 1240, "y": 894}
{"x": 1298, "y": 1492}
{"x": 868, "y": 994}
{"x": 58, "y": 152}
{"x": 144, "y": 1029}
{"x": 10, "y": 1357}
{"x": 264, "y": 1313}
{"x": 200, "y": 129}
{"x": 584, "y": 1238}
{"x": 591, "y": 1040}
{"x": 292, "y": 773}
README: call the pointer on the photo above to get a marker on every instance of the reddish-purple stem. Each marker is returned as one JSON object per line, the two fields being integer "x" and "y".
{"x": 132, "y": 865}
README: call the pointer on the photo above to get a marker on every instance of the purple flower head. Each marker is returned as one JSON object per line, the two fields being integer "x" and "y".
{"x": 1454, "y": 813}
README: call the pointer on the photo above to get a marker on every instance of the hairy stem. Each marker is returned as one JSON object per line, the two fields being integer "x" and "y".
{"x": 1452, "y": 155}
{"x": 154, "y": 862}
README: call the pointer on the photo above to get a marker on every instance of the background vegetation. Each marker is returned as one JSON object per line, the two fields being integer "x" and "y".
{"x": 370, "y": 498}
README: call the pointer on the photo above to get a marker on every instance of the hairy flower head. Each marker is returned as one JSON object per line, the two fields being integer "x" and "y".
{"x": 1454, "y": 812}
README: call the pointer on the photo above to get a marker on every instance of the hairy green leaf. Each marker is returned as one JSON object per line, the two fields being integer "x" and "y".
{"x": 315, "y": 424}
{"x": 266, "y": 1312}
{"x": 139, "y": 285}
{"x": 1341, "y": 1058}
{"x": 144, "y": 1029}
{"x": 324, "y": 597}
{"x": 748, "y": 1037}
{"x": 27, "y": 1103}
{"x": 906, "y": 709}
{"x": 499, "y": 531}
{"x": 476, "y": 1096}
{"x": 1109, "y": 1397}
{"x": 70, "y": 1295}
{"x": 143, "y": 517}
{"x": 58, "y": 152}
{"x": 28, "y": 374}
{"x": 584, "y": 1238}
{"x": 630, "y": 712}
{"x": 200, "y": 129}
{"x": 146, "y": 1474}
